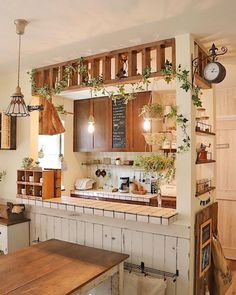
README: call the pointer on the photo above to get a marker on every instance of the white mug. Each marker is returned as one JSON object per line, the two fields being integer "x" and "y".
{"x": 41, "y": 180}
{"x": 23, "y": 191}
{"x": 31, "y": 178}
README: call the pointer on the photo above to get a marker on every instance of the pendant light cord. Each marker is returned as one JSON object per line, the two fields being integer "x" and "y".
{"x": 19, "y": 52}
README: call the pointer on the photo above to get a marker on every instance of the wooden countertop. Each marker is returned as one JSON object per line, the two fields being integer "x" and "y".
{"x": 8, "y": 222}
{"x": 54, "y": 267}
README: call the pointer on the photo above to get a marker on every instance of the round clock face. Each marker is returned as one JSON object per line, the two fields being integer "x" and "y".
{"x": 214, "y": 72}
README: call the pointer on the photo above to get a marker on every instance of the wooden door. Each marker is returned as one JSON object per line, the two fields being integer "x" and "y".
{"x": 226, "y": 185}
{"x": 102, "y": 117}
{"x": 83, "y": 140}
{"x": 138, "y": 141}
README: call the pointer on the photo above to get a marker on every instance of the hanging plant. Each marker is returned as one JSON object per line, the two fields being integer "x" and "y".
{"x": 161, "y": 164}
{"x": 151, "y": 111}
{"x": 2, "y": 174}
{"x": 183, "y": 77}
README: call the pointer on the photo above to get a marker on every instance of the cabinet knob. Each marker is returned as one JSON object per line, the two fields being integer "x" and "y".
{"x": 0, "y": 233}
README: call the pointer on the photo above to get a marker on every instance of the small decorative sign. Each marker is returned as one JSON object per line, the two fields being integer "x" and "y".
{"x": 118, "y": 124}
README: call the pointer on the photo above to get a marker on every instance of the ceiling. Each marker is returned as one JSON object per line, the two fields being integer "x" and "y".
{"x": 59, "y": 30}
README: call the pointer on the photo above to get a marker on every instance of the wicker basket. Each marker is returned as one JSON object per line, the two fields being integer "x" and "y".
{"x": 157, "y": 138}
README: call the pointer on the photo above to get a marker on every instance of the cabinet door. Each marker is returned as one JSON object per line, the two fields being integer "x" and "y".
{"x": 138, "y": 141}
{"x": 83, "y": 140}
{"x": 102, "y": 115}
{"x": 3, "y": 239}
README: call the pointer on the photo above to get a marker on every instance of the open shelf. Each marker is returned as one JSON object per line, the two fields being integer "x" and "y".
{"x": 204, "y": 133}
{"x": 205, "y": 191}
{"x": 205, "y": 162}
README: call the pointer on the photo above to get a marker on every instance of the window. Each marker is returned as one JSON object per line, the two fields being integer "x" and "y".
{"x": 50, "y": 148}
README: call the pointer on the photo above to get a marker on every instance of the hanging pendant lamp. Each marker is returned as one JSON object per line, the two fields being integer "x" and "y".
{"x": 17, "y": 106}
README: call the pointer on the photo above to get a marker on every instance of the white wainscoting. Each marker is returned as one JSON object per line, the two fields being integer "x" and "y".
{"x": 160, "y": 251}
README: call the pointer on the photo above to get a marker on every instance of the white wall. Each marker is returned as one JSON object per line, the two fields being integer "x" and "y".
{"x": 11, "y": 160}
{"x": 27, "y": 141}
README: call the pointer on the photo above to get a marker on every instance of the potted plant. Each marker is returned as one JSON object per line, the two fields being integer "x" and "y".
{"x": 151, "y": 111}
{"x": 27, "y": 162}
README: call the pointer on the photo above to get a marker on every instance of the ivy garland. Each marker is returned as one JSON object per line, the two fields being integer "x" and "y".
{"x": 96, "y": 85}
{"x": 182, "y": 76}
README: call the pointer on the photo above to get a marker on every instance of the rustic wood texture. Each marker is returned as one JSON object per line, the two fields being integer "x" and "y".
{"x": 82, "y": 139}
{"x": 201, "y": 217}
{"x": 7, "y": 132}
{"x": 47, "y": 187}
{"x": 101, "y": 140}
{"x": 49, "y": 121}
{"x": 101, "y": 63}
{"x": 54, "y": 267}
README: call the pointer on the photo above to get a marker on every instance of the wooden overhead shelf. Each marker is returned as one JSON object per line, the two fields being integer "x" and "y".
{"x": 205, "y": 162}
{"x": 209, "y": 189}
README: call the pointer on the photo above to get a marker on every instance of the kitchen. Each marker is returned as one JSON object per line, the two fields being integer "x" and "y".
{"x": 110, "y": 199}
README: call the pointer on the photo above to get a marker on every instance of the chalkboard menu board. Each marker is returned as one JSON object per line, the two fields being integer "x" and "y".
{"x": 118, "y": 124}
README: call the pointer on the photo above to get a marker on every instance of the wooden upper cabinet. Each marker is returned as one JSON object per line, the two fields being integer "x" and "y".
{"x": 102, "y": 117}
{"x": 83, "y": 140}
{"x": 111, "y": 123}
{"x": 138, "y": 141}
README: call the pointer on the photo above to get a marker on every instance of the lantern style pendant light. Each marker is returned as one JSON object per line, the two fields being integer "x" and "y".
{"x": 17, "y": 106}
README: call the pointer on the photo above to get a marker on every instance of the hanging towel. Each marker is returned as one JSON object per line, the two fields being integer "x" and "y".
{"x": 138, "y": 284}
{"x": 220, "y": 276}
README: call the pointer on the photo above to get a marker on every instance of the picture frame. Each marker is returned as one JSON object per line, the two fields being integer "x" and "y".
{"x": 205, "y": 246}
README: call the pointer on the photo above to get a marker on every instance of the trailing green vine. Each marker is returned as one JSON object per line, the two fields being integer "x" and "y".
{"x": 161, "y": 164}
{"x": 182, "y": 76}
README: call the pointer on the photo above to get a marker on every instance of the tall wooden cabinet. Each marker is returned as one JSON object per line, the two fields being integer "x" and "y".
{"x": 102, "y": 108}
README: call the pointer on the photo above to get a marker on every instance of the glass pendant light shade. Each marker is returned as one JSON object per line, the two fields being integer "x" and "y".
{"x": 17, "y": 106}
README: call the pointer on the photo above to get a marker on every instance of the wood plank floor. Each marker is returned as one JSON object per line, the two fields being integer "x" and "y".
{"x": 232, "y": 265}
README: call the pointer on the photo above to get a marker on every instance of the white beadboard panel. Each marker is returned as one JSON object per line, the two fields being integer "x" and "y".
{"x": 72, "y": 231}
{"x": 65, "y": 229}
{"x": 158, "y": 252}
{"x": 170, "y": 254}
{"x": 43, "y": 228}
{"x": 116, "y": 239}
{"x": 136, "y": 251}
{"x": 89, "y": 234}
{"x": 127, "y": 243}
{"x": 80, "y": 232}
{"x": 32, "y": 227}
{"x": 37, "y": 226}
{"x": 97, "y": 235}
{"x": 58, "y": 227}
{"x": 147, "y": 245}
{"x": 182, "y": 266}
{"x": 50, "y": 227}
{"x": 107, "y": 237}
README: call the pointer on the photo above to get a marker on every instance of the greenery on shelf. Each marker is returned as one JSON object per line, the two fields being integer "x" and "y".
{"x": 182, "y": 76}
{"x": 27, "y": 162}
{"x": 2, "y": 174}
{"x": 158, "y": 163}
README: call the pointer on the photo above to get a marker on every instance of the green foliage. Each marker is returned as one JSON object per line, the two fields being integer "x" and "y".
{"x": 157, "y": 163}
{"x": 183, "y": 77}
{"x": 152, "y": 110}
{"x": 2, "y": 174}
{"x": 27, "y": 162}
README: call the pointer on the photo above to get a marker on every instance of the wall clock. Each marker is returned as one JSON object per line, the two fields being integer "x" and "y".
{"x": 214, "y": 72}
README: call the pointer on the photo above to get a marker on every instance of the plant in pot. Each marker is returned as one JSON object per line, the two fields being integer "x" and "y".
{"x": 2, "y": 174}
{"x": 27, "y": 162}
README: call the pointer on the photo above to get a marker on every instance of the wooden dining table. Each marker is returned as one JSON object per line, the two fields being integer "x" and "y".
{"x": 57, "y": 268}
